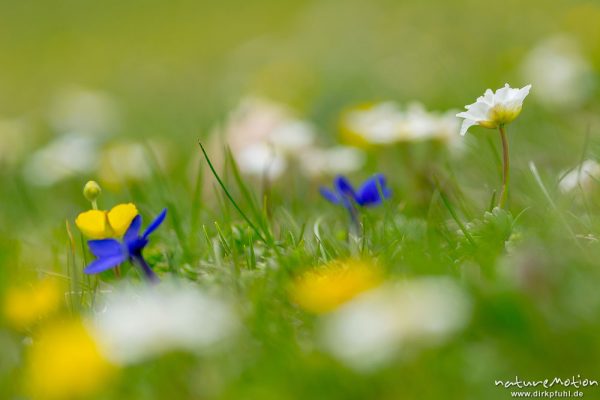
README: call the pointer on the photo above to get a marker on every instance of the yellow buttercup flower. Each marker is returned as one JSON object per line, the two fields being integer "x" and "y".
{"x": 24, "y": 306}
{"x": 324, "y": 289}
{"x": 100, "y": 224}
{"x": 64, "y": 362}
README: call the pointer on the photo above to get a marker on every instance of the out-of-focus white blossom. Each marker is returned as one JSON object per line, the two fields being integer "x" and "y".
{"x": 83, "y": 112}
{"x": 561, "y": 74}
{"x": 379, "y": 124}
{"x": 136, "y": 323}
{"x": 64, "y": 157}
{"x": 292, "y": 137}
{"x": 263, "y": 135}
{"x": 494, "y": 109}
{"x": 381, "y": 324}
{"x": 332, "y": 161}
{"x": 421, "y": 124}
{"x": 584, "y": 177}
{"x": 387, "y": 123}
{"x": 266, "y": 138}
{"x": 261, "y": 159}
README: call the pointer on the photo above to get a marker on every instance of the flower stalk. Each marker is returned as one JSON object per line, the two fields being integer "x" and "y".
{"x": 505, "y": 167}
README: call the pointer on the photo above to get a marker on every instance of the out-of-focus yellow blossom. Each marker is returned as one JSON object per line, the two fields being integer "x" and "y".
{"x": 324, "y": 289}
{"x": 64, "y": 362}
{"x": 99, "y": 224}
{"x": 25, "y": 305}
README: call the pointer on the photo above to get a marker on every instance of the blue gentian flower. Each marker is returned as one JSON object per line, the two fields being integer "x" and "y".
{"x": 371, "y": 193}
{"x": 112, "y": 252}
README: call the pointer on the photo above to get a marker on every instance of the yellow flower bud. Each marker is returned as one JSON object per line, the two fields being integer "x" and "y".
{"x": 92, "y": 190}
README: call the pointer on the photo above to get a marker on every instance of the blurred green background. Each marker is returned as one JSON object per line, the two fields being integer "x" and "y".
{"x": 174, "y": 70}
{"x": 175, "y": 66}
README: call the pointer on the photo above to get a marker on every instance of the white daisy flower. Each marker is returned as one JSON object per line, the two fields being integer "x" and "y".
{"x": 494, "y": 109}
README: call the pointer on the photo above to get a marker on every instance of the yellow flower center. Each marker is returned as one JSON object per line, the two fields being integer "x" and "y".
{"x": 502, "y": 115}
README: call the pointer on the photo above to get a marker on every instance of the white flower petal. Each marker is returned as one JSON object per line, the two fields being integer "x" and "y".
{"x": 477, "y": 111}
{"x": 487, "y": 98}
{"x": 467, "y": 123}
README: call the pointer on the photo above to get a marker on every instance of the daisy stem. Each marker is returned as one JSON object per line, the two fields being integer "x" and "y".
{"x": 505, "y": 168}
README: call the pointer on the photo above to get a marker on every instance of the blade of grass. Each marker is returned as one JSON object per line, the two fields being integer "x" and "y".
{"x": 196, "y": 203}
{"x": 255, "y": 211}
{"x": 226, "y": 191}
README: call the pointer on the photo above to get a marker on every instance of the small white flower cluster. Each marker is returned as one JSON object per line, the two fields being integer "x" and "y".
{"x": 383, "y": 323}
{"x": 137, "y": 323}
{"x": 265, "y": 137}
{"x": 387, "y": 123}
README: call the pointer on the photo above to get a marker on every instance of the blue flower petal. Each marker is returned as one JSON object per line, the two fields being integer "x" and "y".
{"x": 373, "y": 191}
{"x": 105, "y": 247}
{"x": 155, "y": 224}
{"x": 103, "y": 264}
{"x": 134, "y": 229}
{"x": 329, "y": 195}
{"x": 343, "y": 186}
